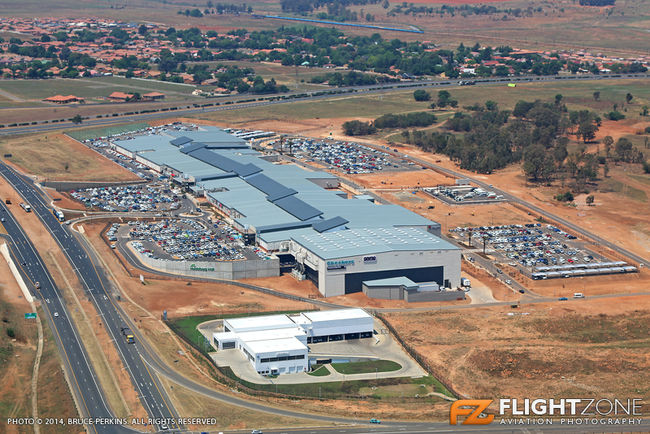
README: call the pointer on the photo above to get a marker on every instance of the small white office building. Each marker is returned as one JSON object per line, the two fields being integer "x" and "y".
{"x": 277, "y": 344}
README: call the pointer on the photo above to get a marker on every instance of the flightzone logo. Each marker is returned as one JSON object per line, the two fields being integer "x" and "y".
{"x": 565, "y": 411}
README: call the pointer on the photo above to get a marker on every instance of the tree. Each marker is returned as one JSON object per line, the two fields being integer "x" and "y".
{"x": 628, "y": 97}
{"x": 644, "y": 110}
{"x": 558, "y": 99}
{"x": 587, "y": 130}
{"x": 491, "y": 105}
{"x": 590, "y": 200}
{"x": 538, "y": 165}
{"x": 77, "y": 119}
{"x": 358, "y": 128}
{"x": 596, "y": 96}
{"x": 421, "y": 95}
{"x": 608, "y": 141}
{"x": 142, "y": 30}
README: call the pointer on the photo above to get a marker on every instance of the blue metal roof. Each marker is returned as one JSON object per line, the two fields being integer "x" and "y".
{"x": 245, "y": 170}
{"x": 273, "y": 189}
{"x": 298, "y": 208}
{"x": 191, "y": 147}
{"x": 180, "y": 141}
{"x": 282, "y": 227}
{"x": 328, "y": 224}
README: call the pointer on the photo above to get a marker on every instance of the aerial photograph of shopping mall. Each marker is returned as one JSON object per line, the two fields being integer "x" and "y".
{"x": 324, "y": 216}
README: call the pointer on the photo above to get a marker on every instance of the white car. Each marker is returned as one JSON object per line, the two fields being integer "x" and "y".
{"x": 56, "y": 314}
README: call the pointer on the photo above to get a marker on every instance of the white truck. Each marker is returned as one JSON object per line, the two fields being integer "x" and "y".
{"x": 465, "y": 283}
{"x": 26, "y": 207}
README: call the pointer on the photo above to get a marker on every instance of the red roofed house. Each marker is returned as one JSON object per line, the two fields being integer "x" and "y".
{"x": 64, "y": 99}
{"x": 153, "y": 96}
{"x": 120, "y": 96}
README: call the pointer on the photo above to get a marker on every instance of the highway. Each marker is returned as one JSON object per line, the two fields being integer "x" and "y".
{"x": 311, "y": 96}
{"x": 148, "y": 387}
{"x": 89, "y": 394}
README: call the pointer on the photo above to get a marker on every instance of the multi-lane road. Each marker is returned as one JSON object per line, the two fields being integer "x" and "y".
{"x": 147, "y": 385}
{"x": 81, "y": 376}
{"x": 311, "y": 96}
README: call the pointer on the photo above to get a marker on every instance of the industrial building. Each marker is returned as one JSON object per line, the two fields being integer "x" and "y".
{"x": 300, "y": 215}
{"x": 277, "y": 344}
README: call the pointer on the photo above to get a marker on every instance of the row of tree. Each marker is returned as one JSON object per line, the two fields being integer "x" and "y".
{"x": 389, "y": 120}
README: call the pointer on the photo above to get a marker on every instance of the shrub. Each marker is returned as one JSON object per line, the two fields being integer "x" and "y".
{"x": 565, "y": 197}
{"x": 421, "y": 95}
{"x": 615, "y": 115}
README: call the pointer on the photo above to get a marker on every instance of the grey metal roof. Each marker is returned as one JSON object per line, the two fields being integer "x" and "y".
{"x": 298, "y": 208}
{"x": 180, "y": 141}
{"x": 328, "y": 224}
{"x": 392, "y": 281}
{"x": 366, "y": 241}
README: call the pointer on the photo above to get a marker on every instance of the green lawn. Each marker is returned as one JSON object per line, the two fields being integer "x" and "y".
{"x": 366, "y": 367}
{"x": 88, "y": 88}
{"x": 92, "y": 133}
{"x": 612, "y": 185}
{"x": 321, "y": 371}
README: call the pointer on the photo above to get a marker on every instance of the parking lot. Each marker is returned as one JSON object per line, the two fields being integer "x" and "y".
{"x": 463, "y": 194}
{"x": 348, "y": 157}
{"x": 184, "y": 239}
{"x": 138, "y": 198}
{"x": 102, "y": 145}
{"x": 540, "y": 251}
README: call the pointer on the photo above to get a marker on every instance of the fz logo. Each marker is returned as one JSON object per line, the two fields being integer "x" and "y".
{"x": 473, "y": 409}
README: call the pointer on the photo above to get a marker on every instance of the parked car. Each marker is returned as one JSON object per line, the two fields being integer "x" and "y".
{"x": 373, "y": 420}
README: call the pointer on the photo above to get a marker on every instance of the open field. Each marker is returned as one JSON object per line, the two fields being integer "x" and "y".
{"x": 55, "y": 157}
{"x": 94, "y": 90}
{"x": 325, "y": 116}
{"x": 576, "y": 348}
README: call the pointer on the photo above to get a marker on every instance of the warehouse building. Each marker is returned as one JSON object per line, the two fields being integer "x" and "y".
{"x": 277, "y": 344}
{"x": 403, "y": 288}
{"x": 300, "y": 215}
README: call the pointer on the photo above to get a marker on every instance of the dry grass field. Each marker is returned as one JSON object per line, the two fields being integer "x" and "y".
{"x": 579, "y": 347}
{"x": 55, "y": 157}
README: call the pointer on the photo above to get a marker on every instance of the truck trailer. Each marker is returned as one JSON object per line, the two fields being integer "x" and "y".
{"x": 128, "y": 335}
